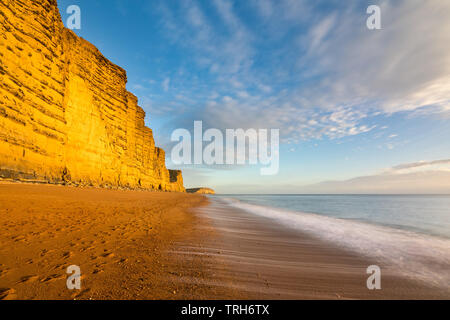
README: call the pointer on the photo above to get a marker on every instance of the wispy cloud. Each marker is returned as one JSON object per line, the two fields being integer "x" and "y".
{"x": 418, "y": 177}
{"x": 436, "y": 165}
{"x": 313, "y": 72}
{"x": 166, "y": 84}
{"x": 402, "y": 67}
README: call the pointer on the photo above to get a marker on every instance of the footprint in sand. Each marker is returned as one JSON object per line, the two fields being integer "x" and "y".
{"x": 59, "y": 266}
{"x": 3, "y": 272}
{"x": 67, "y": 254}
{"x": 123, "y": 260}
{"x": 97, "y": 271}
{"x": 79, "y": 294}
{"x": 44, "y": 252}
{"x": 8, "y": 294}
{"x": 52, "y": 278}
{"x": 27, "y": 279}
{"x": 108, "y": 255}
{"x": 19, "y": 238}
{"x": 86, "y": 248}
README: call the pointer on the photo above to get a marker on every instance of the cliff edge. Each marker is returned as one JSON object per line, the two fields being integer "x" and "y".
{"x": 65, "y": 114}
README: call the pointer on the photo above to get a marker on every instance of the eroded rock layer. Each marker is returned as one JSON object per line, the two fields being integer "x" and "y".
{"x": 65, "y": 113}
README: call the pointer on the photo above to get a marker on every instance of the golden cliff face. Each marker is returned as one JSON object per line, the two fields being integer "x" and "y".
{"x": 65, "y": 113}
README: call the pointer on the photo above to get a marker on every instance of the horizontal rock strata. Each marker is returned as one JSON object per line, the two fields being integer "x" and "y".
{"x": 65, "y": 113}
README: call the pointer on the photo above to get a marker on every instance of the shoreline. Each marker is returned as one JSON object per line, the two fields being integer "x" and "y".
{"x": 157, "y": 245}
{"x": 267, "y": 260}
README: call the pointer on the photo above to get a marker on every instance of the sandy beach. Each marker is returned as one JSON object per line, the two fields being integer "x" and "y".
{"x": 119, "y": 239}
{"x": 154, "y": 245}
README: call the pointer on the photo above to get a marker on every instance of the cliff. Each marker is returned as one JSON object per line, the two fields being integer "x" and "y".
{"x": 201, "y": 190}
{"x": 65, "y": 113}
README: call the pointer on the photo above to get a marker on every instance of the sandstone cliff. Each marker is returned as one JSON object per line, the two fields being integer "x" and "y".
{"x": 201, "y": 190}
{"x": 65, "y": 113}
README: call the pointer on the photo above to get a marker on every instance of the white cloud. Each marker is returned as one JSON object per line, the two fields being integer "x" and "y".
{"x": 264, "y": 7}
{"x": 137, "y": 86}
{"x": 421, "y": 166}
{"x": 166, "y": 84}
{"x": 243, "y": 94}
{"x": 320, "y": 31}
{"x": 265, "y": 88}
{"x": 335, "y": 76}
{"x": 425, "y": 177}
{"x": 404, "y": 66}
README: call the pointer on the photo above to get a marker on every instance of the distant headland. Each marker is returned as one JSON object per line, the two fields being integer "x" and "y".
{"x": 201, "y": 191}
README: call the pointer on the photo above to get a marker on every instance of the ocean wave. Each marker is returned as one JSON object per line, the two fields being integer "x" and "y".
{"x": 422, "y": 257}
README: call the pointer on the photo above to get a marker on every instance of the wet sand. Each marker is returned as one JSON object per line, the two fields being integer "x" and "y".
{"x": 260, "y": 259}
{"x": 150, "y": 245}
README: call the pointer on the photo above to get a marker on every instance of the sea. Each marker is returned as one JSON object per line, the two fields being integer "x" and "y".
{"x": 408, "y": 232}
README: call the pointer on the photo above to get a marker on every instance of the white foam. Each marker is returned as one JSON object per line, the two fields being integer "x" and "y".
{"x": 418, "y": 256}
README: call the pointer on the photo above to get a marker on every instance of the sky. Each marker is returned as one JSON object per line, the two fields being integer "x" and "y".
{"x": 351, "y": 104}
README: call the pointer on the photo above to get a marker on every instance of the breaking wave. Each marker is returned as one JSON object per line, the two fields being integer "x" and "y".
{"x": 417, "y": 256}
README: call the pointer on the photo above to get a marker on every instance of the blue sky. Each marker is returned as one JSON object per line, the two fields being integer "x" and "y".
{"x": 349, "y": 101}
